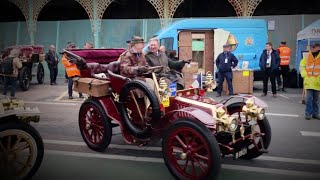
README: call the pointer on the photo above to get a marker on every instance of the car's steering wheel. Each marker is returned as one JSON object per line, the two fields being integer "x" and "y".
{"x": 154, "y": 69}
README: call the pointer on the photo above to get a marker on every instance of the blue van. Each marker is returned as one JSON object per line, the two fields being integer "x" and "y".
{"x": 202, "y": 41}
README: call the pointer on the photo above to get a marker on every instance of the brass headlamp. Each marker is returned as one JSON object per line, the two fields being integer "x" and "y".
{"x": 210, "y": 83}
{"x": 227, "y": 122}
{"x": 163, "y": 86}
{"x": 164, "y": 90}
{"x": 253, "y": 111}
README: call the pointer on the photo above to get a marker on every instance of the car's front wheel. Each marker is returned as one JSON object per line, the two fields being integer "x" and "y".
{"x": 21, "y": 150}
{"x": 263, "y": 127}
{"x": 190, "y": 151}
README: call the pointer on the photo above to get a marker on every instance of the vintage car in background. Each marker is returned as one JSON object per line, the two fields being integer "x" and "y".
{"x": 196, "y": 131}
{"x": 31, "y": 57}
{"x": 21, "y": 146}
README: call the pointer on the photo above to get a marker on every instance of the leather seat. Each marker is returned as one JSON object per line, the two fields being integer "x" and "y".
{"x": 97, "y": 68}
{"x": 113, "y": 67}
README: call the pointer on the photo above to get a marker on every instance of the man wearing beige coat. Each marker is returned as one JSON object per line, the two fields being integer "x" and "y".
{"x": 11, "y": 75}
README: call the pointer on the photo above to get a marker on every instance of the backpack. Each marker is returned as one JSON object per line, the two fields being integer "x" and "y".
{"x": 7, "y": 66}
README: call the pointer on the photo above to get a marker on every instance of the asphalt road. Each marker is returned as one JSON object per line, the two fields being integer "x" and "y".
{"x": 293, "y": 152}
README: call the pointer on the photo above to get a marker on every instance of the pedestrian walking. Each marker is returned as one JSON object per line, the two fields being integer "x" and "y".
{"x": 269, "y": 64}
{"x": 310, "y": 72}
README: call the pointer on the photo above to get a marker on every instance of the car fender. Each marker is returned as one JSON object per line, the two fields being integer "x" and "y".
{"x": 257, "y": 101}
{"x": 192, "y": 112}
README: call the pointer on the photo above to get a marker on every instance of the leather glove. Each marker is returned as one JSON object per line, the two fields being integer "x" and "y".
{"x": 142, "y": 69}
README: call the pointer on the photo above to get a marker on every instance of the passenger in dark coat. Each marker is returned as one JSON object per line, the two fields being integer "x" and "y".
{"x": 269, "y": 64}
{"x": 155, "y": 57}
{"x": 225, "y": 62}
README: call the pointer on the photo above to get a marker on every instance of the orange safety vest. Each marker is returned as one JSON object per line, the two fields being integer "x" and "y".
{"x": 285, "y": 53}
{"x": 313, "y": 65}
{"x": 71, "y": 68}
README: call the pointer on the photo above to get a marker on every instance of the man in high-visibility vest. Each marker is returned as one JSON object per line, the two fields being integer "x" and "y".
{"x": 72, "y": 71}
{"x": 285, "y": 53}
{"x": 310, "y": 72}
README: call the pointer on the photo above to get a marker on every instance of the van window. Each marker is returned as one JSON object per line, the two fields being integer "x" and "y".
{"x": 167, "y": 42}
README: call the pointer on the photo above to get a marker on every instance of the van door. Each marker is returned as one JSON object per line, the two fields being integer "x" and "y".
{"x": 185, "y": 45}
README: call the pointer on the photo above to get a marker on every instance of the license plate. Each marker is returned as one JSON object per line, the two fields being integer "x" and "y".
{"x": 166, "y": 102}
{"x": 240, "y": 153}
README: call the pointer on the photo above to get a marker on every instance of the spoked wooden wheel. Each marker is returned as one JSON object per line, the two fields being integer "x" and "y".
{"x": 40, "y": 73}
{"x": 191, "y": 151}
{"x": 24, "y": 78}
{"x": 263, "y": 126}
{"x": 133, "y": 111}
{"x": 21, "y": 150}
{"x": 95, "y": 127}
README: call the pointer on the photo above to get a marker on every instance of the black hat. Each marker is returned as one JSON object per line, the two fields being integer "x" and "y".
{"x": 283, "y": 42}
{"x": 315, "y": 45}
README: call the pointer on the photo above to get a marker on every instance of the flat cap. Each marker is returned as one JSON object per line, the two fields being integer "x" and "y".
{"x": 136, "y": 40}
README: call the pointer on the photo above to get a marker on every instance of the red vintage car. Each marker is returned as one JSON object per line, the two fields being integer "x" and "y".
{"x": 31, "y": 57}
{"x": 196, "y": 131}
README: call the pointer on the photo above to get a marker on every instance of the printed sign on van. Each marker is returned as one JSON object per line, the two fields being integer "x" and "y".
{"x": 249, "y": 41}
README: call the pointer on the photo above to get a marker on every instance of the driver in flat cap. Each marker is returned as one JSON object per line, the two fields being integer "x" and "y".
{"x": 132, "y": 61}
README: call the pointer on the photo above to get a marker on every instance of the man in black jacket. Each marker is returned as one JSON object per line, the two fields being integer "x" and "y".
{"x": 52, "y": 59}
{"x": 269, "y": 64}
{"x": 225, "y": 62}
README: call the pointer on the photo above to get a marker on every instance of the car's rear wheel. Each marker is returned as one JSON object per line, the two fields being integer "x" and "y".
{"x": 95, "y": 127}
{"x": 21, "y": 150}
{"x": 135, "y": 115}
{"x": 24, "y": 78}
{"x": 190, "y": 151}
{"x": 263, "y": 126}
{"x": 40, "y": 73}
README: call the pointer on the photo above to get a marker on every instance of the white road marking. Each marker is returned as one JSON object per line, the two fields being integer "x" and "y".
{"x": 284, "y": 96}
{"x": 283, "y": 115}
{"x": 271, "y": 171}
{"x": 307, "y": 133}
{"x": 65, "y": 93}
{"x": 281, "y": 95}
{"x": 159, "y": 160}
{"x": 49, "y": 103}
{"x": 289, "y": 160}
{"x": 115, "y": 146}
{"x": 61, "y": 96}
{"x": 133, "y": 147}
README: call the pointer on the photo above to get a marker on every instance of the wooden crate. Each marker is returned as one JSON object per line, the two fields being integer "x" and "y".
{"x": 242, "y": 82}
{"x": 190, "y": 68}
{"x": 91, "y": 86}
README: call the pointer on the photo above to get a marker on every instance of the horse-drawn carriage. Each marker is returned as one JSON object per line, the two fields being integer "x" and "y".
{"x": 196, "y": 131}
{"x": 31, "y": 57}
